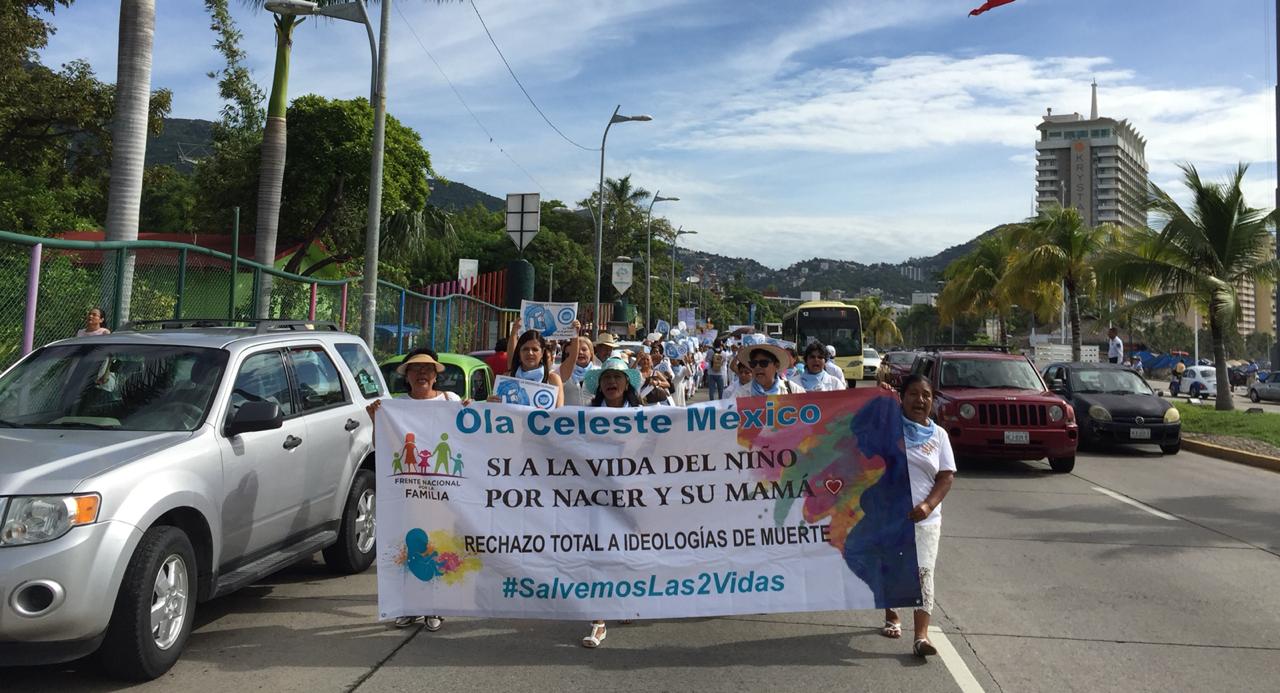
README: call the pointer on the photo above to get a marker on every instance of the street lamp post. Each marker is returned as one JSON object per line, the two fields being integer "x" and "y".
{"x": 648, "y": 257}
{"x": 600, "y": 211}
{"x": 355, "y": 12}
{"x": 675, "y": 239}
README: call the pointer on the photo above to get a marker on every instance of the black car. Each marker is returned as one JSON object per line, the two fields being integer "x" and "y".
{"x": 1115, "y": 405}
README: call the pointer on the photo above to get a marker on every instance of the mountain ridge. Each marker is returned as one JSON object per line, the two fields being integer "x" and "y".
{"x": 185, "y": 140}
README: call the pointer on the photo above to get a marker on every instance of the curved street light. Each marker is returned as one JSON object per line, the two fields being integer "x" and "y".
{"x": 600, "y": 212}
{"x": 648, "y": 254}
{"x": 675, "y": 239}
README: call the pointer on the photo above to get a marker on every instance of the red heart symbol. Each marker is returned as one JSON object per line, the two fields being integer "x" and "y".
{"x": 833, "y": 486}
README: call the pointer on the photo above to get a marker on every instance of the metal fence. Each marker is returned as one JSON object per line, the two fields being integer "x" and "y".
{"x": 47, "y": 285}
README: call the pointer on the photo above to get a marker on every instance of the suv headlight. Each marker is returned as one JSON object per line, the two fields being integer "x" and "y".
{"x": 36, "y": 519}
{"x": 1099, "y": 413}
{"x": 1055, "y": 413}
{"x": 967, "y": 411}
{"x": 1172, "y": 415}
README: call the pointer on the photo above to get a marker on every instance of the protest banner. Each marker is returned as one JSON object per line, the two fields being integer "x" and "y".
{"x": 662, "y": 327}
{"x": 709, "y": 337}
{"x": 759, "y": 505}
{"x": 525, "y": 393}
{"x": 686, "y": 317}
{"x": 551, "y": 320}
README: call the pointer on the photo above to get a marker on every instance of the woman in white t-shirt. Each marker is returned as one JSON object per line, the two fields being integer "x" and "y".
{"x": 931, "y": 466}
{"x": 420, "y": 370}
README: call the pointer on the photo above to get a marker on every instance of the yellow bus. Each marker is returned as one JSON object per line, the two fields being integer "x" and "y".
{"x": 830, "y": 322}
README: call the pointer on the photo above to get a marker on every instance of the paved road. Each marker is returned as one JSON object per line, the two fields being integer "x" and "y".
{"x": 1045, "y": 583}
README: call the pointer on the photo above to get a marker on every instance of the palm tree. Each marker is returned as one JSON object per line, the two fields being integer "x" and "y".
{"x": 1197, "y": 258}
{"x": 877, "y": 322}
{"x": 1058, "y": 246}
{"x": 274, "y": 136}
{"x": 977, "y": 286}
{"x": 271, "y": 168}
{"x": 129, "y": 140}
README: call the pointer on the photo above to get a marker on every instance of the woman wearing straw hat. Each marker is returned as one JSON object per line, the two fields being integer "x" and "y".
{"x": 766, "y": 363}
{"x": 420, "y": 369}
{"x": 617, "y": 386}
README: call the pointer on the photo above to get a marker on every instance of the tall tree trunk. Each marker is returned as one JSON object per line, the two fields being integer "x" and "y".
{"x": 1225, "y": 402}
{"x": 271, "y": 173}
{"x": 1073, "y": 310}
{"x": 128, "y": 148}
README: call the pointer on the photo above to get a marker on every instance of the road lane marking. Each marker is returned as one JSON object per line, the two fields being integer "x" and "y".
{"x": 959, "y": 670}
{"x": 1129, "y": 501}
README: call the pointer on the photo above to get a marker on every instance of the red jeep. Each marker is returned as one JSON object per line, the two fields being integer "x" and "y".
{"x": 994, "y": 404}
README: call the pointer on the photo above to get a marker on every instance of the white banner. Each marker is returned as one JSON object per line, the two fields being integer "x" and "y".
{"x": 553, "y": 320}
{"x": 525, "y": 392}
{"x": 780, "y": 504}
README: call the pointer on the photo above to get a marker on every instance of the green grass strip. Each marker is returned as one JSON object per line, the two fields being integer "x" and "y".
{"x": 1205, "y": 419}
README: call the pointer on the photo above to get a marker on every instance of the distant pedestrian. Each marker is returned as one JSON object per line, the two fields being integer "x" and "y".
{"x": 833, "y": 368}
{"x": 1115, "y": 347}
{"x": 93, "y": 321}
{"x": 931, "y": 466}
{"x": 497, "y": 361}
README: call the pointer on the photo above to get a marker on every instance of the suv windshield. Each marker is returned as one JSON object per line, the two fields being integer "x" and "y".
{"x": 113, "y": 386}
{"x": 1013, "y": 374}
{"x": 1116, "y": 382}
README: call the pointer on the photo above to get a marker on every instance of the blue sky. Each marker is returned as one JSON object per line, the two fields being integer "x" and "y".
{"x": 868, "y": 130}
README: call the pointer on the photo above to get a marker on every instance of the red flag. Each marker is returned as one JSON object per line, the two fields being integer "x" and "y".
{"x": 988, "y": 5}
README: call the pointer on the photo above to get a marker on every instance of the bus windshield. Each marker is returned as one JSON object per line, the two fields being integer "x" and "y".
{"x": 838, "y": 327}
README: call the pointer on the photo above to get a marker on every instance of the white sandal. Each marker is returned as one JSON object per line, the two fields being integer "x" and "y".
{"x": 597, "y": 636}
{"x": 433, "y": 623}
{"x": 892, "y": 629}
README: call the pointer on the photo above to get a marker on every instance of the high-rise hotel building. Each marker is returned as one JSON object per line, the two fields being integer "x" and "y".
{"x": 1097, "y": 165}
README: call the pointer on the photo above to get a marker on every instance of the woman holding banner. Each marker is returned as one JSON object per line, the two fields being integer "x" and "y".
{"x": 617, "y": 386}
{"x": 813, "y": 377}
{"x": 533, "y": 362}
{"x": 932, "y": 467}
{"x": 420, "y": 369}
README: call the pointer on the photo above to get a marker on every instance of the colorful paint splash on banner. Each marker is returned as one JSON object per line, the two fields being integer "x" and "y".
{"x": 435, "y": 555}
{"x": 854, "y": 464}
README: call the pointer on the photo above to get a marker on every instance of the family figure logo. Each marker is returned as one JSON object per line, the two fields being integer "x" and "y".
{"x": 435, "y": 555}
{"x": 427, "y": 474}
{"x": 412, "y": 461}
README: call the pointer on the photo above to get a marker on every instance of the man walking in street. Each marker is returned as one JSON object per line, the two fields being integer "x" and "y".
{"x": 1115, "y": 347}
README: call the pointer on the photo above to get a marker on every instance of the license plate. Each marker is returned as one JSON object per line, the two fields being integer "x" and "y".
{"x": 1140, "y": 433}
{"x": 1017, "y": 437}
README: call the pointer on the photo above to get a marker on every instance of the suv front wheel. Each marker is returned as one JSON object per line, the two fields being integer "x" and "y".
{"x": 354, "y": 550}
{"x": 154, "y": 609}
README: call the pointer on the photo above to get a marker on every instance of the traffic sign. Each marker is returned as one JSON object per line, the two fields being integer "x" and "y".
{"x": 524, "y": 215}
{"x": 622, "y": 276}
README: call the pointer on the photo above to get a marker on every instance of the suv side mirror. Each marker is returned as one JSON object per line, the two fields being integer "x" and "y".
{"x": 1058, "y": 387}
{"x": 255, "y": 416}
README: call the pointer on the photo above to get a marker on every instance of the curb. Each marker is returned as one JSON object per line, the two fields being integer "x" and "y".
{"x": 1231, "y": 454}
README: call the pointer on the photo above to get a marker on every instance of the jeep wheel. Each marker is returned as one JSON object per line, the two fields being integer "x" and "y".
{"x": 354, "y": 551}
{"x": 154, "y": 609}
{"x": 1062, "y": 465}
{"x": 1171, "y": 448}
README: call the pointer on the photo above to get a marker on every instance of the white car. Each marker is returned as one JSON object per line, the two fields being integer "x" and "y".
{"x": 870, "y": 363}
{"x": 1199, "y": 381}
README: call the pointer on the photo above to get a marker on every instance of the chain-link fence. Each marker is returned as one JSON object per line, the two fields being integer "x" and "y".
{"x": 47, "y": 286}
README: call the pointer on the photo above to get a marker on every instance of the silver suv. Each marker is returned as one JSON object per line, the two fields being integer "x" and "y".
{"x": 171, "y": 463}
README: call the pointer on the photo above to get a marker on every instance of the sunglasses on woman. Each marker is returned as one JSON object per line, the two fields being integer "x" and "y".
{"x": 760, "y": 363}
